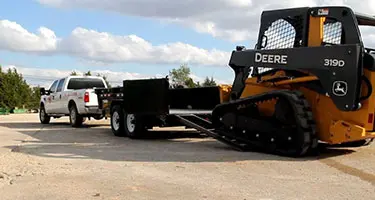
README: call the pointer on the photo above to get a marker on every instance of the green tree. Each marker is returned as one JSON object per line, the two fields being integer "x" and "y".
{"x": 181, "y": 77}
{"x": 209, "y": 82}
{"x": 105, "y": 79}
{"x": 35, "y": 98}
{"x": 88, "y": 73}
{"x": 74, "y": 73}
{"x": 190, "y": 83}
{"x": 3, "y": 88}
{"x": 14, "y": 91}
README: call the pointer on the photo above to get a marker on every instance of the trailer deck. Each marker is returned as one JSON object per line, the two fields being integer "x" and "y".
{"x": 155, "y": 104}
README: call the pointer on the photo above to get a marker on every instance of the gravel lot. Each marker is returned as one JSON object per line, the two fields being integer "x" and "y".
{"x": 57, "y": 161}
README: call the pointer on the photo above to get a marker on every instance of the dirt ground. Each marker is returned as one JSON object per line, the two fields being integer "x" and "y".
{"x": 57, "y": 161}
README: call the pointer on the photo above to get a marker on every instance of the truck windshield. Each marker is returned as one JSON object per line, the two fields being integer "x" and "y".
{"x": 85, "y": 83}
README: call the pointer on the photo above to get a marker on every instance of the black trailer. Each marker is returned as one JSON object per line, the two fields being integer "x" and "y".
{"x": 142, "y": 104}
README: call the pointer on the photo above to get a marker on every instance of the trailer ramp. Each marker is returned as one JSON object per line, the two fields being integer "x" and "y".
{"x": 192, "y": 118}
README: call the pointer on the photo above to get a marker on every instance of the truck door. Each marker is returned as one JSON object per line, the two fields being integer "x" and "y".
{"x": 59, "y": 103}
{"x": 48, "y": 104}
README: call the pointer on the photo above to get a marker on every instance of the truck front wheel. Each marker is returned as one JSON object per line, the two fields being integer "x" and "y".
{"x": 43, "y": 117}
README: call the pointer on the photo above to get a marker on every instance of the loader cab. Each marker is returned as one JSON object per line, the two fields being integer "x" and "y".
{"x": 324, "y": 46}
{"x": 311, "y": 26}
{"x": 315, "y": 26}
{"x": 366, "y": 25}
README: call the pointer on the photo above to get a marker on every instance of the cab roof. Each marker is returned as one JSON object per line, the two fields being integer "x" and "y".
{"x": 365, "y": 20}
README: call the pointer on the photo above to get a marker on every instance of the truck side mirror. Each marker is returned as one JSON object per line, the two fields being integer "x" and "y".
{"x": 43, "y": 91}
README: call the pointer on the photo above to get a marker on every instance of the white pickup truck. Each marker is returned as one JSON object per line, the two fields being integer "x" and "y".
{"x": 72, "y": 96}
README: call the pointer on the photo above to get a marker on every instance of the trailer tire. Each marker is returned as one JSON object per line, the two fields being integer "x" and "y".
{"x": 134, "y": 126}
{"x": 117, "y": 121}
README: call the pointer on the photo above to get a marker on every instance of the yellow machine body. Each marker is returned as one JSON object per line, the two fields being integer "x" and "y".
{"x": 333, "y": 126}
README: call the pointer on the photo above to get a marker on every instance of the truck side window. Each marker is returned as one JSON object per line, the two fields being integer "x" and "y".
{"x": 60, "y": 85}
{"x": 53, "y": 87}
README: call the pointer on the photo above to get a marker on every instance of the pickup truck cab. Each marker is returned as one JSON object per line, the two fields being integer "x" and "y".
{"x": 72, "y": 96}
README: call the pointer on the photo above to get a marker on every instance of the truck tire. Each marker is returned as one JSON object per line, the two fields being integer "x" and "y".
{"x": 75, "y": 118}
{"x": 117, "y": 121}
{"x": 43, "y": 117}
{"x": 134, "y": 128}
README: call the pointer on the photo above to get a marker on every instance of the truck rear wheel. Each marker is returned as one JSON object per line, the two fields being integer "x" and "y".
{"x": 134, "y": 127}
{"x": 75, "y": 118}
{"x": 43, "y": 117}
{"x": 117, "y": 121}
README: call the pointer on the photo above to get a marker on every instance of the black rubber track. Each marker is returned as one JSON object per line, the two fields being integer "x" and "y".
{"x": 240, "y": 122}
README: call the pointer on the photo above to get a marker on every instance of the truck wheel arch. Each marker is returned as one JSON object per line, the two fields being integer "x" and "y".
{"x": 71, "y": 103}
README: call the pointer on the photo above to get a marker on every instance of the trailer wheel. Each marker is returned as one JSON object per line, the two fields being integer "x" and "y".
{"x": 117, "y": 122}
{"x": 134, "y": 127}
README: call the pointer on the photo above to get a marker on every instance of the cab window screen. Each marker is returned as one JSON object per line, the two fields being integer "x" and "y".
{"x": 84, "y": 83}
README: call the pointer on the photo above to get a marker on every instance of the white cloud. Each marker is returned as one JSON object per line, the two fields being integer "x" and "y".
{"x": 234, "y": 20}
{"x": 103, "y": 47}
{"x": 14, "y": 37}
{"x": 44, "y": 77}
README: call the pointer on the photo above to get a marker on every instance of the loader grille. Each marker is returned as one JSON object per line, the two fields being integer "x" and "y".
{"x": 288, "y": 33}
{"x": 281, "y": 34}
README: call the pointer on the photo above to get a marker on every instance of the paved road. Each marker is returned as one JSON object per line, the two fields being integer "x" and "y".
{"x": 59, "y": 162}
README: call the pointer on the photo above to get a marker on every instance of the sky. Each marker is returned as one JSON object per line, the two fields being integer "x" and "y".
{"x": 128, "y": 39}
